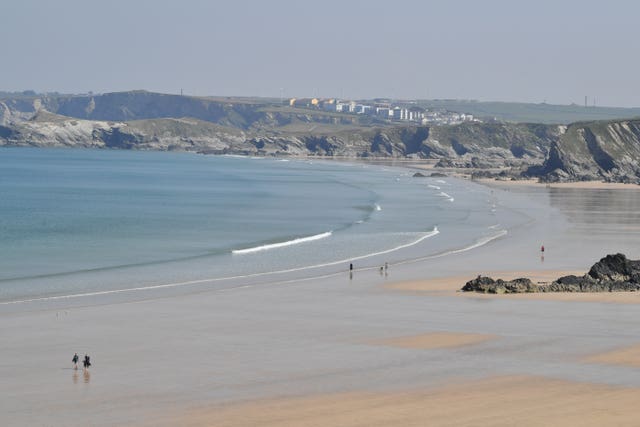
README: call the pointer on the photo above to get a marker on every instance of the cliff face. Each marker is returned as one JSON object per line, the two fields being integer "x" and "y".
{"x": 50, "y": 130}
{"x": 607, "y": 151}
{"x": 463, "y": 143}
{"x": 142, "y": 105}
{"x": 499, "y": 144}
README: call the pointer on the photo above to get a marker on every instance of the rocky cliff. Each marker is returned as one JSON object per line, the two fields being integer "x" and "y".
{"x": 466, "y": 144}
{"x": 607, "y": 150}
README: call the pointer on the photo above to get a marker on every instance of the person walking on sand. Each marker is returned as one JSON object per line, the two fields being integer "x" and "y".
{"x": 86, "y": 362}
{"x": 542, "y": 249}
{"x": 75, "y": 361}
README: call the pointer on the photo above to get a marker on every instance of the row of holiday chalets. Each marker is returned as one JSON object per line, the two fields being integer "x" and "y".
{"x": 385, "y": 110}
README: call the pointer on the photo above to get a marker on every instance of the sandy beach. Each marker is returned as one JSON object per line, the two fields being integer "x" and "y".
{"x": 405, "y": 348}
{"x": 500, "y": 401}
{"x": 584, "y": 185}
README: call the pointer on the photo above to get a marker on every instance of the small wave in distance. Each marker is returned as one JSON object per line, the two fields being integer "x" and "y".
{"x": 443, "y": 194}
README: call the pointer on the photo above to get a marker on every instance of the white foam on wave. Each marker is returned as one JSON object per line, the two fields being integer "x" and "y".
{"x": 282, "y": 244}
{"x": 477, "y": 244}
{"x": 427, "y": 235}
{"x": 443, "y": 194}
{"x": 435, "y": 187}
{"x": 493, "y": 227}
{"x": 439, "y": 181}
{"x": 377, "y": 207}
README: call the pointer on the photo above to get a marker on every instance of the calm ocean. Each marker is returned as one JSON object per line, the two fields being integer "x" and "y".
{"x": 83, "y": 221}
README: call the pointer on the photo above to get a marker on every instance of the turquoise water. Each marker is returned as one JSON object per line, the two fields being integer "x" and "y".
{"x": 75, "y": 221}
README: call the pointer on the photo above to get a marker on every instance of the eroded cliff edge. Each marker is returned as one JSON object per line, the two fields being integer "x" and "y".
{"x": 599, "y": 150}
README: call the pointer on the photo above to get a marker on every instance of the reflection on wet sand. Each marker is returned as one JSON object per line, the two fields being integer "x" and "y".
{"x": 617, "y": 210}
{"x": 86, "y": 376}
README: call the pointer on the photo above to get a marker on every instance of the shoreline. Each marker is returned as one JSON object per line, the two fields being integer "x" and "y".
{"x": 585, "y": 185}
{"x": 308, "y": 271}
{"x": 399, "y": 348}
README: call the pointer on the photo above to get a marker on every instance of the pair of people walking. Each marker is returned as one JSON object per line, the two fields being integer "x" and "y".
{"x": 86, "y": 362}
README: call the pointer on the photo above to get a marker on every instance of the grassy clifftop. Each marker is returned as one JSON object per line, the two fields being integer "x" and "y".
{"x": 243, "y": 112}
{"x": 519, "y": 112}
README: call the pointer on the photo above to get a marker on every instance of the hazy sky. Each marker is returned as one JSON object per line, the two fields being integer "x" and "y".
{"x": 531, "y": 51}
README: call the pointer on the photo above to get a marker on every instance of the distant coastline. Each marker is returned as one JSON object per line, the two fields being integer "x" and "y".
{"x": 138, "y": 120}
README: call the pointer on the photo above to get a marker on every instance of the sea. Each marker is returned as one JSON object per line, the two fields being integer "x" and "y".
{"x": 77, "y": 222}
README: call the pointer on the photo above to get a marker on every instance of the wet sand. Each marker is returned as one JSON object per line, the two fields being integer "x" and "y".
{"x": 397, "y": 349}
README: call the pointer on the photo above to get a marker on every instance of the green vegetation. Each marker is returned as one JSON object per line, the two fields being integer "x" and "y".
{"x": 531, "y": 113}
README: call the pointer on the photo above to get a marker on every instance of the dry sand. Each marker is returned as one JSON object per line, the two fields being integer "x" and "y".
{"x": 452, "y": 285}
{"x": 435, "y": 340}
{"x": 498, "y": 401}
{"x": 588, "y": 185}
{"x": 625, "y": 356}
{"x": 465, "y": 173}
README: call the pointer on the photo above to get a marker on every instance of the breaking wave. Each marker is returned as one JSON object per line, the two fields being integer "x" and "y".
{"x": 282, "y": 244}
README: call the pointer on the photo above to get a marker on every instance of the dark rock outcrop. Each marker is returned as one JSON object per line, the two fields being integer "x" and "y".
{"x": 487, "y": 285}
{"x": 613, "y": 273}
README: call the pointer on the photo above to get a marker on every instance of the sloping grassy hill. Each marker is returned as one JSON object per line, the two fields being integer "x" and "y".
{"x": 532, "y": 113}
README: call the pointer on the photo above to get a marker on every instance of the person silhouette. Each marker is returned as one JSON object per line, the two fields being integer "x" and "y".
{"x": 86, "y": 362}
{"x": 75, "y": 361}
